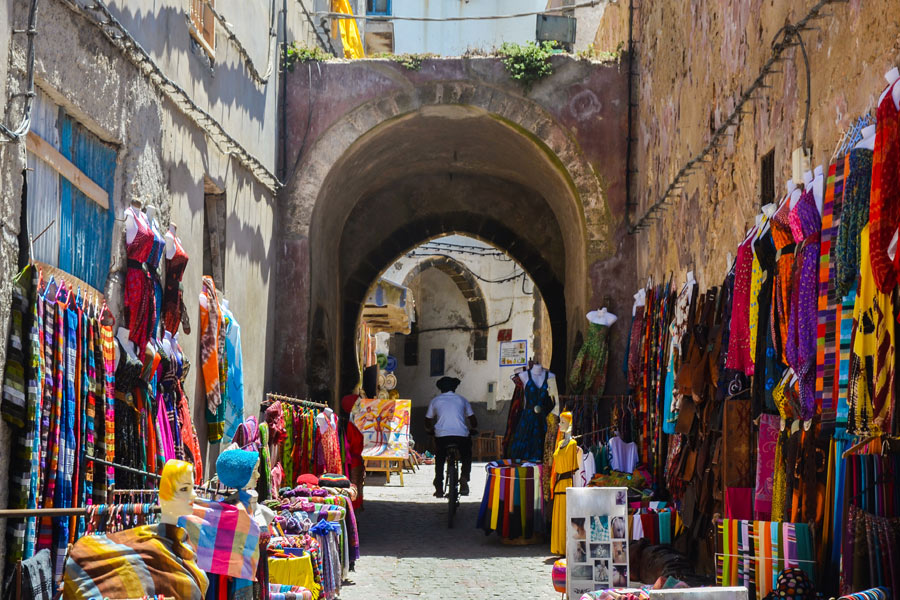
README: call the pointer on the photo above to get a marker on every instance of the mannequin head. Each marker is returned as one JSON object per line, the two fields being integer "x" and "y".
{"x": 176, "y": 490}
{"x": 565, "y": 423}
{"x": 238, "y": 469}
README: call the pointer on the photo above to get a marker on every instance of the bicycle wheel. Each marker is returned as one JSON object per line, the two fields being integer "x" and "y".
{"x": 452, "y": 489}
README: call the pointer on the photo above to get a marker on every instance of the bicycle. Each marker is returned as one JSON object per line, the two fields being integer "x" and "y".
{"x": 452, "y": 479}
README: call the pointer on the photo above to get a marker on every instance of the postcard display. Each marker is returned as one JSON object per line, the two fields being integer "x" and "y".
{"x": 596, "y": 539}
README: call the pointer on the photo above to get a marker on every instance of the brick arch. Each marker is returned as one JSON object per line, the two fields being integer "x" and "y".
{"x": 469, "y": 287}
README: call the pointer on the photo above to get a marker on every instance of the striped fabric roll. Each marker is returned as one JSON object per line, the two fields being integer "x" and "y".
{"x": 559, "y": 576}
{"x": 226, "y": 538}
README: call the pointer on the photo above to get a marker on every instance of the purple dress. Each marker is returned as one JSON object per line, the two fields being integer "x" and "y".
{"x": 806, "y": 225}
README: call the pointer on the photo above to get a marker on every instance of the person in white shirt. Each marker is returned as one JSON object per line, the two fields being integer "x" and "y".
{"x": 451, "y": 420}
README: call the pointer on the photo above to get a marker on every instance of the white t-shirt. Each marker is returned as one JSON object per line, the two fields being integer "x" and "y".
{"x": 622, "y": 456}
{"x": 450, "y": 411}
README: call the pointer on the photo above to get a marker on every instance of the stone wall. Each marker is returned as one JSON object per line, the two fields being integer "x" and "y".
{"x": 693, "y": 63}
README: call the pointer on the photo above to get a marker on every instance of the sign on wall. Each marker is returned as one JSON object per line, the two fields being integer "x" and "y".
{"x": 514, "y": 353}
{"x": 384, "y": 425}
{"x": 596, "y": 539}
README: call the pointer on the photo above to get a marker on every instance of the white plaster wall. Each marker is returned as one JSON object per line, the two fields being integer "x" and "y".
{"x": 439, "y": 303}
{"x": 454, "y": 38}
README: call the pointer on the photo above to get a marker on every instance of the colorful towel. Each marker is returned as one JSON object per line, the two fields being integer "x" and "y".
{"x": 226, "y": 538}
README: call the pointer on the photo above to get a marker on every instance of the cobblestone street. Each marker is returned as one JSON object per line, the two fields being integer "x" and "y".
{"x": 408, "y": 551}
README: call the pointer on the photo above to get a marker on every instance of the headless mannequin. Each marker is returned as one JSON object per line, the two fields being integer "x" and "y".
{"x": 122, "y": 335}
{"x": 868, "y": 138}
{"x": 538, "y": 375}
{"x": 131, "y": 227}
{"x": 325, "y": 419}
{"x": 794, "y": 193}
{"x": 892, "y": 76}
{"x": 818, "y": 186}
{"x": 640, "y": 299}
{"x": 170, "y": 241}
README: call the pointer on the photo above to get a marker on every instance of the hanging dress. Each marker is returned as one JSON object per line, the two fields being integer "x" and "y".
{"x": 884, "y": 210}
{"x": 565, "y": 463}
{"x": 139, "y": 293}
{"x": 528, "y": 441}
{"x": 173, "y": 303}
{"x": 781, "y": 299}
{"x": 588, "y": 374}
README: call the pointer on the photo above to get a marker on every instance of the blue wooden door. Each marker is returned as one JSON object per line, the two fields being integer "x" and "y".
{"x": 86, "y": 227}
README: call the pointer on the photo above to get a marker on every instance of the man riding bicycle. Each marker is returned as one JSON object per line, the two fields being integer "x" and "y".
{"x": 450, "y": 420}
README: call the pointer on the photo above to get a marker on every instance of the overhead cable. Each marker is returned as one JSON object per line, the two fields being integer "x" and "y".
{"x": 790, "y": 36}
{"x": 530, "y": 13}
{"x": 13, "y": 135}
{"x": 261, "y": 78}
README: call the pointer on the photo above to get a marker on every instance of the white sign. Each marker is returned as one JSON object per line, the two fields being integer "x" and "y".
{"x": 596, "y": 539}
{"x": 514, "y": 353}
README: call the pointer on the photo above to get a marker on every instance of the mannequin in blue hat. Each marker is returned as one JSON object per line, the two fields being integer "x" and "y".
{"x": 451, "y": 420}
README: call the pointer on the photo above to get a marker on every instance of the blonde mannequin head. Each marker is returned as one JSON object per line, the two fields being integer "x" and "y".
{"x": 565, "y": 422}
{"x": 176, "y": 490}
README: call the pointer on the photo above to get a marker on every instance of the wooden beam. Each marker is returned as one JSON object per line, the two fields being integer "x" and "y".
{"x": 62, "y": 165}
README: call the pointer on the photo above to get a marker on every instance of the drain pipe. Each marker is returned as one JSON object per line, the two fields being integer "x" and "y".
{"x": 13, "y": 135}
{"x": 283, "y": 71}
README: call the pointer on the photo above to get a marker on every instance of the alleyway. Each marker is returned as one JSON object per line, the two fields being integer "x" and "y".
{"x": 408, "y": 551}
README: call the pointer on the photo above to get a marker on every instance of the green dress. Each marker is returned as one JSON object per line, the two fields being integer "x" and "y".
{"x": 588, "y": 374}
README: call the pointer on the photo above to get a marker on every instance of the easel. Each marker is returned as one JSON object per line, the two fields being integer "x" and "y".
{"x": 386, "y": 465}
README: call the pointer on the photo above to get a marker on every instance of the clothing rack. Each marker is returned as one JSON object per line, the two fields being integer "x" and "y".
{"x": 587, "y": 433}
{"x": 93, "y": 295}
{"x": 124, "y": 468}
{"x": 273, "y": 398}
{"x": 97, "y": 509}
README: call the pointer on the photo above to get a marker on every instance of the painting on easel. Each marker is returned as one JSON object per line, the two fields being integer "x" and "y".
{"x": 384, "y": 425}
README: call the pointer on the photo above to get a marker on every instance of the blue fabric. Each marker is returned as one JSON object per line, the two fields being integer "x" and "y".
{"x": 234, "y": 396}
{"x": 668, "y": 424}
{"x": 528, "y": 439}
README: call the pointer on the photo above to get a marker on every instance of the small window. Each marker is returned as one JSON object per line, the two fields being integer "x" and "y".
{"x": 437, "y": 362}
{"x": 214, "y": 237}
{"x": 378, "y": 7}
{"x": 767, "y": 178}
{"x": 203, "y": 25}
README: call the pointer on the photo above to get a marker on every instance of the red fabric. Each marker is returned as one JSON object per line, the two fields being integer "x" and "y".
{"x": 172, "y": 295}
{"x": 738, "y": 357}
{"x": 884, "y": 204}
{"x": 139, "y": 295}
{"x": 739, "y": 503}
{"x": 308, "y": 479}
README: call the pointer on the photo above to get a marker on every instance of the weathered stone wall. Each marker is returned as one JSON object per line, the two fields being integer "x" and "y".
{"x": 693, "y": 63}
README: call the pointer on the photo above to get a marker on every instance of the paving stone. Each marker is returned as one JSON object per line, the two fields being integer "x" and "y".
{"x": 408, "y": 551}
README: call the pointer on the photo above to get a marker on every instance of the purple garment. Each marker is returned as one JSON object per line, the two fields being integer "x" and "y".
{"x": 806, "y": 225}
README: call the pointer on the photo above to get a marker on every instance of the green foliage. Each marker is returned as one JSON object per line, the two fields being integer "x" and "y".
{"x": 413, "y": 62}
{"x": 303, "y": 54}
{"x": 591, "y": 53}
{"x": 528, "y": 62}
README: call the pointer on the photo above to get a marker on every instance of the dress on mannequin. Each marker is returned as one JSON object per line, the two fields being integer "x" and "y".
{"x": 565, "y": 465}
{"x": 884, "y": 210}
{"x": 173, "y": 303}
{"x": 139, "y": 294}
{"x": 588, "y": 374}
{"x": 528, "y": 439}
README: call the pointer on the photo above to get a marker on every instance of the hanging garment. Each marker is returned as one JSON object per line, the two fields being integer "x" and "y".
{"x": 152, "y": 266}
{"x": 766, "y": 373}
{"x": 139, "y": 288}
{"x": 738, "y": 356}
{"x": 884, "y": 210}
{"x": 173, "y": 301}
{"x": 855, "y": 215}
{"x": 765, "y": 466}
{"x": 588, "y": 373}
{"x": 623, "y": 456}
{"x": 528, "y": 441}
{"x": 512, "y": 503}
{"x": 635, "y": 348}
{"x": 515, "y": 412}
{"x": 801, "y": 346}
{"x": 785, "y": 246}
{"x": 210, "y": 325}
{"x": 871, "y": 394}
{"x": 146, "y": 560}
{"x": 234, "y": 396}
{"x": 565, "y": 463}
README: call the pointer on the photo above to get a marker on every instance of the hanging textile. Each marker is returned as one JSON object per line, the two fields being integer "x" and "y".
{"x": 512, "y": 503}
{"x": 588, "y": 372}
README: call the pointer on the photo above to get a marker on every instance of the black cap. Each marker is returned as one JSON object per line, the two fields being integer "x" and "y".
{"x": 447, "y": 384}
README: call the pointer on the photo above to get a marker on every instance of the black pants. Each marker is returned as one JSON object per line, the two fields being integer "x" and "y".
{"x": 440, "y": 457}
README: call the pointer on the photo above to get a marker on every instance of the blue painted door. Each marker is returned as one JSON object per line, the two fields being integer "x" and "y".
{"x": 86, "y": 227}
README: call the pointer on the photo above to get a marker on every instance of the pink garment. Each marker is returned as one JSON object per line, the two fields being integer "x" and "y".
{"x": 738, "y": 357}
{"x": 166, "y": 441}
{"x": 765, "y": 465}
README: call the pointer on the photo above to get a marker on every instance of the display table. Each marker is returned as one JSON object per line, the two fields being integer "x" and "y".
{"x": 513, "y": 502}
{"x": 386, "y": 466}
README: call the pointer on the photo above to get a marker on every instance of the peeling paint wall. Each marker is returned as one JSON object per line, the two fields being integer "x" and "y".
{"x": 692, "y": 66}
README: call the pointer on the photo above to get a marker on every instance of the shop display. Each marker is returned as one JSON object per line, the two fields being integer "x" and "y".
{"x": 512, "y": 503}
{"x": 530, "y": 429}
{"x": 596, "y": 527}
{"x": 384, "y": 425}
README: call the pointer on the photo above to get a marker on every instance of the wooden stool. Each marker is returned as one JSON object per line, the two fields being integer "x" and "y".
{"x": 385, "y": 465}
{"x": 486, "y": 446}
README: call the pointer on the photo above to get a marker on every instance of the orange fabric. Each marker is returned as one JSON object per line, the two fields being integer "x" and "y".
{"x": 210, "y": 324}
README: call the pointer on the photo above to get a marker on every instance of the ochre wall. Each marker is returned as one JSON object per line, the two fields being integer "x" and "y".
{"x": 693, "y": 62}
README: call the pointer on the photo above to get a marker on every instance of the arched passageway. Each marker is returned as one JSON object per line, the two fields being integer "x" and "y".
{"x": 396, "y": 158}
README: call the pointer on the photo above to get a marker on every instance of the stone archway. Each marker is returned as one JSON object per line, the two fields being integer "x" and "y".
{"x": 469, "y": 288}
{"x": 467, "y": 153}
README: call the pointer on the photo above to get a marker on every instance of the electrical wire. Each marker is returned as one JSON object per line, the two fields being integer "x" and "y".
{"x": 261, "y": 78}
{"x": 531, "y": 13}
{"x": 13, "y": 135}
{"x": 512, "y": 277}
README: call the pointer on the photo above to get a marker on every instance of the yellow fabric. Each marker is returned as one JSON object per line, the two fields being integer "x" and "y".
{"x": 873, "y": 308}
{"x": 348, "y": 30}
{"x": 756, "y": 280}
{"x": 779, "y": 483}
{"x": 565, "y": 459}
{"x": 297, "y": 570}
{"x": 495, "y": 506}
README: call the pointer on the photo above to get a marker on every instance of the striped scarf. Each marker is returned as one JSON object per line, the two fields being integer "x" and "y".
{"x": 108, "y": 346}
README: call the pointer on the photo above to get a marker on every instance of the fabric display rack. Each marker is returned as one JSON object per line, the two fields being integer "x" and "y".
{"x": 513, "y": 502}
{"x": 770, "y": 399}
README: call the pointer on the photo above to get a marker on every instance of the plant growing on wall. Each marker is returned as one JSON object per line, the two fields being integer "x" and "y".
{"x": 303, "y": 54}
{"x": 528, "y": 62}
{"x": 413, "y": 62}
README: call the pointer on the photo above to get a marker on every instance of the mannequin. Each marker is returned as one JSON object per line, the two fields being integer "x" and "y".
{"x": 892, "y": 76}
{"x": 171, "y": 238}
{"x": 818, "y": 186}
{"x": 538, "y": 374}
{"x": 794, "y": 193}
{"x": 868, "y": 138}
{"x": 146, "y": 560}
{"x": 131, "y": 227}
{"x": 640, "y": 299}
{"x": 326, "y": 423}
{"x": 530, "y": 430}
{"x": 565, "y": 464}
{"x": 122, "y": 335}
